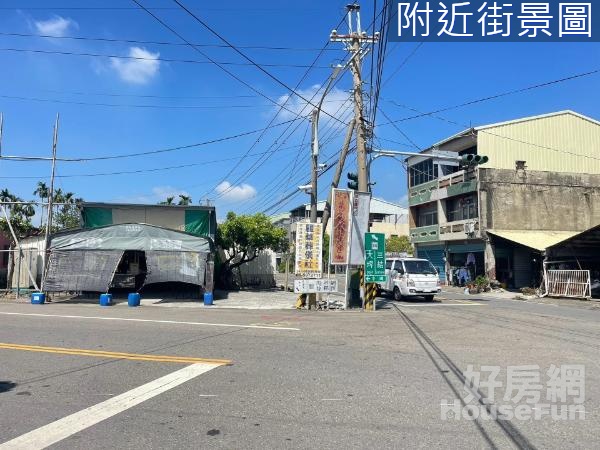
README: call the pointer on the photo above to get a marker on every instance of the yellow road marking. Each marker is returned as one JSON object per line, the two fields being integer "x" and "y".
{"x": 117, "y": 355}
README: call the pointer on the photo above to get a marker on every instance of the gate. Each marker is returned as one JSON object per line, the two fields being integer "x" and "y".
{"x": 568, "y": 283}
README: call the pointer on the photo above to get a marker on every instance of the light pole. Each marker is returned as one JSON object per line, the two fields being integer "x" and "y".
{"x": 315, "y": 144}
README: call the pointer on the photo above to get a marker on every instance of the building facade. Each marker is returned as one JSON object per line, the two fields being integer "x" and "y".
{"x": 540, "y": 186}
{"x": 384, "y": 217}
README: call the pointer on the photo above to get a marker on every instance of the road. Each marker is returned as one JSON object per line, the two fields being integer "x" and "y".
{"x": 80, "y": 376}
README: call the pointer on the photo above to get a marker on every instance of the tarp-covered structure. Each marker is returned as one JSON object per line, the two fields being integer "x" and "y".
{"x": 87, "y": 260}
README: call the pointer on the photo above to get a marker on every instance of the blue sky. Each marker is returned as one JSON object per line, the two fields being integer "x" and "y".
{"x": 164, "y": 104}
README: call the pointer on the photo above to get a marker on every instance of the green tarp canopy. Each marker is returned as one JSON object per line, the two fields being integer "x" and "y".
{"x": 130, "y": 237}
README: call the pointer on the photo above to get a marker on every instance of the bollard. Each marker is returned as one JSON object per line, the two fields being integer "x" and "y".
{"x": 133, "y": 299}
{"x": 105, "y": 299}
{"x": 300, "y": 301}
{"x": 38, "y": 298}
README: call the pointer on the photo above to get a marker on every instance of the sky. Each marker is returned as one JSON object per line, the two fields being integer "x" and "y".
{"x": 166, "y": 97}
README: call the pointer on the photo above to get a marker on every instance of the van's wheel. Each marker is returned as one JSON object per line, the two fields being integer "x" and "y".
{"x": 397, "y": 294}
{"x": 428, "y": 298}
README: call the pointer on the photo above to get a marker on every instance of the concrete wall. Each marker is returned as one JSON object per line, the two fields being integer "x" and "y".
{"x": 530, "y": 200}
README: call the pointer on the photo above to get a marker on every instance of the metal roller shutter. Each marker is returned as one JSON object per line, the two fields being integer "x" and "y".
{"x": 436, "y": 256}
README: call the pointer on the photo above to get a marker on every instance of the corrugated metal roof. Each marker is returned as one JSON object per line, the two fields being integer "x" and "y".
{"x": 538, "y": 240}
{"x": 541, "y": 116}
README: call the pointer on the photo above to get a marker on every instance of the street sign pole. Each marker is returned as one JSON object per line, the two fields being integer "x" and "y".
{"x": 374, "y": 266}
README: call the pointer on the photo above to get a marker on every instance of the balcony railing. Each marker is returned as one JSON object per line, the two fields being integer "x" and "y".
{"x": 451, "y": 185}
{"x": 462, "y": 229}
{"x": 425, "y": 234}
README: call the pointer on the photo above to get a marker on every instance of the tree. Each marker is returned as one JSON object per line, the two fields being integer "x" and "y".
{"x": 398, "y": 244}
{"x": 242, "y": 238}
{"x": 19, "y": 217}
{"x": 67, "y": 215}
{"x": 168, "y": 201}
{"x": 43, "y": 193}
{"x": 184, "y": 200}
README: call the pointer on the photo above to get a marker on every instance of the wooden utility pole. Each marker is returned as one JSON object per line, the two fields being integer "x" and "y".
{"x": 1, "y": 127}
{"x": 357, "y": 42}
{"x": 51, "y": 195}
{"x": 314, "y": 169}
{"x": 361, "y": 149}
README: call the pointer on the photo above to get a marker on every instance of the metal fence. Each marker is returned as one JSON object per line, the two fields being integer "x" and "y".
{"x": 568, "y": 283}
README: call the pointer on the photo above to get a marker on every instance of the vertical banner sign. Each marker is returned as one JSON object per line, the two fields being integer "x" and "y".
{"x": 361, "y": 204}
{"x": 375, "y": 258}
{"x": 340, "y": 227}
{"x": 309, "y": 249}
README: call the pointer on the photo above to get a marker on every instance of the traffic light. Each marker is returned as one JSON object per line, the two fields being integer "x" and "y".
{"x": 352, "y": 181}
{"x": 473, "y": 160}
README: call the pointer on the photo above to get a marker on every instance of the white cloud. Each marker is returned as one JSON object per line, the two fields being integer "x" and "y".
{"x": 139, "y": 70}
{"x": 335, "y": 99}
{"x": 56, "y": 26}
{"x": 236, "y": 193}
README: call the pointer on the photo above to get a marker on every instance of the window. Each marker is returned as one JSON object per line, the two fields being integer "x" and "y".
{"x": 398, "y": 266}
{"x": 421, "y": 267}
{"x": 461, "y": 208}
{"x": 422, "y": 172}
{"x": 427, "y": 215}
{"x": 447, "y": 170}
{"x": 388, "y": 264}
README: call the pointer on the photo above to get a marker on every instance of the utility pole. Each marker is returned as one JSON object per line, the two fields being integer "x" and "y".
{"x": 1, "y": 127}
{"x": 51, "y": 195}
{"x": 315, "y": 168}
{"x": 357, "y": 42}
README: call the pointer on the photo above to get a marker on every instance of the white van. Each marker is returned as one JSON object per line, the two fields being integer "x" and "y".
{"x": 411, "y": 277}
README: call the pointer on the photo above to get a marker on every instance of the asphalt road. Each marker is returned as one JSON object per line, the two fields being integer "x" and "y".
{"x": 284, "y": 379}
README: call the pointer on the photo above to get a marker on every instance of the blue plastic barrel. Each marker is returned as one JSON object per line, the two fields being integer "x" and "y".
{"x": 105, "y": 299}
{"x": 208, "y": 298}
{"x": 133, "y": 299}
{"x": 38, "y": 298}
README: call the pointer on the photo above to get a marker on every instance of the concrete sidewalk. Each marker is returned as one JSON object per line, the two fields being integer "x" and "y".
{"x": 255, "y": 299}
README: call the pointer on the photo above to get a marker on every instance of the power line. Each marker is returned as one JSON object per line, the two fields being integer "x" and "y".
{"x": 533, "y": 144}
{"x": 278, "y": 181}
{"x": 223, "y": 68}
{"x": 259, "y": 163}
{"x": 144, "y": 58}
{"x": 151, "y": 42}
{"x": 496, "y": 96}
{"x": 151, "y": 152}
{"x": 138, "y": 171}
{"x": 413, "y": 143}
{"x": 129, "y": 105}
{"x": 243, "y": 55}
{"x": 404, "y": 62}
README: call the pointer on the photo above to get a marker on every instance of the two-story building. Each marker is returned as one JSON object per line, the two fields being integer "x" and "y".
{"x": 385, "y": 217}
{"x": 539, "y": 187}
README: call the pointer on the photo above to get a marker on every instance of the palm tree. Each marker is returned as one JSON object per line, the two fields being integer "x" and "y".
{"x": 42, "y": 192}
{"x": 184, "y": 200}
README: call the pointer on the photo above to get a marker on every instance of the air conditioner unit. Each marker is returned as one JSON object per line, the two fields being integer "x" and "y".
{"x": 470, "y": 228}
